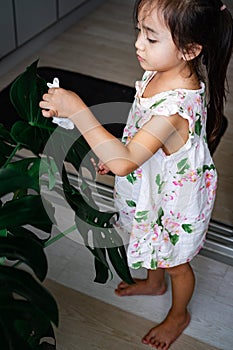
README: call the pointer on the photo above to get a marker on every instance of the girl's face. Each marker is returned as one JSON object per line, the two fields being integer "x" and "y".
{"x": 156, "y": 50}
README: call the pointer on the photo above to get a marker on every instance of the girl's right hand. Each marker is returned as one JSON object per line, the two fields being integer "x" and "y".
{"x": 61, "y": 103}
{"x": 100, "y": 168}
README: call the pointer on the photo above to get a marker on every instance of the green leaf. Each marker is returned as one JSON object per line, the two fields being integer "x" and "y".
{"x": 131, "y": 203}
{"x": 26, "y": 321}
{"x": 160, "y": 215}
{"x": 28, "y": 233}
{"x": 141, "y": 215}
{"x": 182, "y": 166}
{"x": 25, "y": 250}
{"x": 137, "y": 265}
{"x": 173, "y": 238}
{"x": 5, "y": 135}
{"x": 5, "y": 149}
{"x": 159, "y": 183}
{"x": 153, "y": 264}
{"x": 105, "y": 238}
{"x": 23, "y": 284}
{"x": 12, "y": 180}
{"x": 3, "y": 233}
{"x": 10, "y": 339}
{"x": 156, "y": 104}
{"x": 198, "y": 125}
{"x": 119, "y": 261}
{"x": 7, "y": 145}
{"x": 28, "y": 136}
{"x": 102, "y": 269}
{"x": 207, "y": 167}
{"x": 26, "y": 92}
{"x": 131, "y": 178}
{"x": 28, "y": 210}
{"x": 187, "y": 228}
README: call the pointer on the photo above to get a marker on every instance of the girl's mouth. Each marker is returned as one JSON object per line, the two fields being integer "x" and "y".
{"x": 140, "y": 58}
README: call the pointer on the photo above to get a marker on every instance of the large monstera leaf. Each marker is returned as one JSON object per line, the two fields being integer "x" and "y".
{"x": 7, "y": 145}
{"x": 107, "y": 245}
{"x": 69, "y": 146}
{"x": 27, "y": 310}
{"x": 26, "y": 307}
{"x": 33, "y": 131}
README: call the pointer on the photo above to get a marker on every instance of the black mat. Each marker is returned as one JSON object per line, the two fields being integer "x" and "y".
{"x": 92, "y": 90}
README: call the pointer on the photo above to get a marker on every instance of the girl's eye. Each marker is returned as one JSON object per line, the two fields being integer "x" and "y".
{"x": 152, "y": 41}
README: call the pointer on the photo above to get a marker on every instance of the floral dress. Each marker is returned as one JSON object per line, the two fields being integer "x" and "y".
{"x": 166, "y": 203}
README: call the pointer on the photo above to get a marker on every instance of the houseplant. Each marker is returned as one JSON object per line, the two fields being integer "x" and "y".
{"x": 27, "y": 310}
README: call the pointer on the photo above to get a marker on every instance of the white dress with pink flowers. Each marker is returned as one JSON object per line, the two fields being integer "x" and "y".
{"x": 166, "y": 203}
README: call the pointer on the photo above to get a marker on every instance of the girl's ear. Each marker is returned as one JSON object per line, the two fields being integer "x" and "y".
{"x": 192, "y": 52}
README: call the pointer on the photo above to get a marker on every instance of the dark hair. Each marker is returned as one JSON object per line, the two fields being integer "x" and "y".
{"x": 209, "y": 24}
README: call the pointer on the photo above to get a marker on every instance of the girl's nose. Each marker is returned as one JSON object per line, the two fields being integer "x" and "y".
{"x": 139, "y": 43}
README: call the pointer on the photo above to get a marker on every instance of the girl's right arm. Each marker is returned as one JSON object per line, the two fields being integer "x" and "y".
{"x": 119, "y": 158}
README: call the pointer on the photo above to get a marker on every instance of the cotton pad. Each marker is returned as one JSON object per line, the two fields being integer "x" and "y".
{"x": 63, "y": 122}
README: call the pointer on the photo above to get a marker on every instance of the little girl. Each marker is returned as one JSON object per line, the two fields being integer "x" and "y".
{"x": 165, "y": 176}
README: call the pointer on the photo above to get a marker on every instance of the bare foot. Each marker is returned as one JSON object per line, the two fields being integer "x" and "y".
{"x": 163, "y": 335}
{"x": 141, "y": 287}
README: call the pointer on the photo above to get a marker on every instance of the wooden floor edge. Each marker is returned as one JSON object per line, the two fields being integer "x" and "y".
{"x": 89, "y": 323}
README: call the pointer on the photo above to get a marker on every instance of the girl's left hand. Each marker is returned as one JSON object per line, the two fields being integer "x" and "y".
{"x": 58, "y": 102}
{"x": 100, "y": 168}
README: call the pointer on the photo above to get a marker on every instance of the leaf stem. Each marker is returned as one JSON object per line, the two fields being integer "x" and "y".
{"x": 59, "y": 236}
{"x": 13, "y": 153}
{"x": 53, "y": 240}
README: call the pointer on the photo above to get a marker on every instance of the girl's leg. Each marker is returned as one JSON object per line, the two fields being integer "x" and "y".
{"x": 154, "y": 284}
{"x": 178, "y": 318}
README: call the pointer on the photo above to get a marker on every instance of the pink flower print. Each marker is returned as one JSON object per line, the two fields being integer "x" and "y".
{"x": 136, "y": 248}
{"x": 160, "y": 109}
{"x": 138, "y": 172}
{"x": 190, "y": 110}
{"x": 163, "y": 264}
{"x": 208, "y": 179}
{"x": 142, "y": 227}
{"x": 192, "y": 176}
{"x": 178, "y": 183}
{"x": 200, "y": 217}
{"x": 166, "y": 238}
{"x": 168, "y": 197}
{"x": 133, "y": 211}
{"x": 174, "y": 224}
{"x": 137, "y": 114}
{"x": 198, "y": 100}
{"x": 155, "y": 230}
{"x": 181, "y": 95}
{"x": 171, "y": 226}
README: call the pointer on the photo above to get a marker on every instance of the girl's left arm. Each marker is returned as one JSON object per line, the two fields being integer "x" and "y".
{"x": 120, "y": 159}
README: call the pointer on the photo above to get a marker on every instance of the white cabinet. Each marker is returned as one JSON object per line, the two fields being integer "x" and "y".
{"x": 32, "y": 17}
{"x": 65, "y": 6}
{"x": 24, "y": 23}
{"x": 7, "y": 29}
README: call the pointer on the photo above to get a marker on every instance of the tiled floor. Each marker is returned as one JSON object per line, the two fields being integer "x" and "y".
{"x": 211, "y": 307}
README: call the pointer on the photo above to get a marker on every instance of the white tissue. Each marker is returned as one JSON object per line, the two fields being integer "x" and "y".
{"x": 63, "y": 122}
